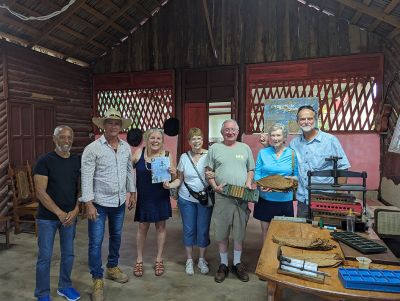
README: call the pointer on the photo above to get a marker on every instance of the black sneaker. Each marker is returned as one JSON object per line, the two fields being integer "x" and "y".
{"x": 221, "y": 274}
{"x": 240, "y": 272}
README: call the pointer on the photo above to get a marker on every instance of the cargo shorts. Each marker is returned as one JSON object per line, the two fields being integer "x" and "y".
{"x": 229, "y": 213}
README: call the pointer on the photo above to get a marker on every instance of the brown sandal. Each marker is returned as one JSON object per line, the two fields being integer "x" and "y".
{"x": 159, "y": 268}
{"x": 138, "y": 269}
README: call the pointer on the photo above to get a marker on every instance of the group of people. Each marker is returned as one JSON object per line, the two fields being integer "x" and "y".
{"x": 106, "y": 173}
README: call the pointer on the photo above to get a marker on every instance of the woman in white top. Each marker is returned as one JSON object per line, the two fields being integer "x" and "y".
{"x": 195, "y": 217}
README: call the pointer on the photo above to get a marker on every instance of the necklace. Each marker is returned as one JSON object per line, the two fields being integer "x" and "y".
{"x": 147, "y": 157}
{"x": 194, "y": 153}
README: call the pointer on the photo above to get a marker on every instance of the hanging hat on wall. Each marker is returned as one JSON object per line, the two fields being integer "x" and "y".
{"x": 113, "y": 114}
{"x": 171, "y": 126}
{"x": 134, "y": 137}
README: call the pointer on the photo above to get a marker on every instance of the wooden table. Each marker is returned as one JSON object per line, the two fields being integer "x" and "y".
{"x": 332, "y": 289}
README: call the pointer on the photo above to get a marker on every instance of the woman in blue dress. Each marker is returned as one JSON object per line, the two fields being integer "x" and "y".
{"x": 277, "y": 159}
{"x": 153, "y": 200}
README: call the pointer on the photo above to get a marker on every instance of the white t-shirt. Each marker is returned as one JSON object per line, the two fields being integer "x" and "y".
{"x": 191, "y": 177}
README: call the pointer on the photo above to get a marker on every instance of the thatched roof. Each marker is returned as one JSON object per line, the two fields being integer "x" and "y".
{"x": 88, "y": 29}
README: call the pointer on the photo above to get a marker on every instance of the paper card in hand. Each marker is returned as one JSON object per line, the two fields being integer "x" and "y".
{"x": 159, "y": 170}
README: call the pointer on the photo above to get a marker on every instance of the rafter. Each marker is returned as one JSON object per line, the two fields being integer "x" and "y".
{"x": 8, "y": 20}
{"x": 393, "y": 34}
{"x": 374, "y": 25}
{"x": 371, "y": 12}
{"x": 142, "y": 10}
{"x": 60, "y": 26}
{"x": 391, "y": 6}
{"x": 60, "y": 20}
{"x": 117, "y": 8}
{"x": 110, "y": 21}
{"x": 339, "y": 10}
{"x": 358, "y": 14}
{"x": 100, "y": 16}
{"x": 78, "y": 19}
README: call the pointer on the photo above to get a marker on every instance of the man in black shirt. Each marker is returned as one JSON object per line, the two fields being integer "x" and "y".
{"x": 56, "y": 177}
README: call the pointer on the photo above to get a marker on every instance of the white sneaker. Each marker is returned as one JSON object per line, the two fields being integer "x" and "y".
{"x": 189, "y": 267}
{"x": 203, "y": 266}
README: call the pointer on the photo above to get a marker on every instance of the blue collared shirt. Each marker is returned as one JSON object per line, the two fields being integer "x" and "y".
{"x": 268, "y": 164}
{"x": 107, "y": 175}
{"x": 311, "y": 156}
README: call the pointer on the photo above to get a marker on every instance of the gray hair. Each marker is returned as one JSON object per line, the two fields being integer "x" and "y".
{"x": 229, "y": 120}
{"x": 59, "y": 128}
{"x": 278, "y": 126}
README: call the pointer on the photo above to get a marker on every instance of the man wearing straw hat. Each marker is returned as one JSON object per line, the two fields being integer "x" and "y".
{"x": 107, "y": 175}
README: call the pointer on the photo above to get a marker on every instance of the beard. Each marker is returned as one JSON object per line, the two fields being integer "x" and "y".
{"x": 65, "y": 148}
{"x": 306, "y": 128}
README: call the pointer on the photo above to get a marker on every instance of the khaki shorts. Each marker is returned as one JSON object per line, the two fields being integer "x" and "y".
{"x": 229, "y": 213}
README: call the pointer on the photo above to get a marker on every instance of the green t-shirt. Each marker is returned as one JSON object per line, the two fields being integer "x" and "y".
{"x": 230, "y": 163}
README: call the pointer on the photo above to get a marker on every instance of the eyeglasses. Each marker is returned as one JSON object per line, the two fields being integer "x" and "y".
{"x": 230, "y": 130}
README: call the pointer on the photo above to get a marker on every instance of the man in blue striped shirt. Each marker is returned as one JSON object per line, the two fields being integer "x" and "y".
{"x": 312, "y": 147}
{"x": 107, "y": 175}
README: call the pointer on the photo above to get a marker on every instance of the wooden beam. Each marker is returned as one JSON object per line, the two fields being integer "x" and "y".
{"x": 210, "y": 35}
{"x": 339, "y": 10}
{"x": 142, "y": 10}
{"x": 82, "y": 37}
{"x": 6, "y": 19}
{"x": 358, "y": 14}
{"x": 391, "y": 6}
{"x": 106, "y": 24}
{"x": 117, "y": 8}
{"x": 371, "y": 12}
{"x": 60, "y": 26}
{"x": 59, "y": 20}
{"x": 393, "y": 34}
{"x": 100, "y": 16}
{"x": 374, "y": 25}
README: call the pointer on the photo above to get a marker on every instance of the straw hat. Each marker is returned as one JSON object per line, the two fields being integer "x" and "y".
{"x": 114, "y": 115}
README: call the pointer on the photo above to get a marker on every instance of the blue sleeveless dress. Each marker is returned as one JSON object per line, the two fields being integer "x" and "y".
{"x": 153, "y": 202}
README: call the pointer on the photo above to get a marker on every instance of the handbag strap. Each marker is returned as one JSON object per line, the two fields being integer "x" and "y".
{"x": 195, "y": 168}
{"x": 294, "y": 190}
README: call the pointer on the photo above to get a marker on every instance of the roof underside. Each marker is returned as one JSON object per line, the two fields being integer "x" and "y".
{"x": 88, "y": 29}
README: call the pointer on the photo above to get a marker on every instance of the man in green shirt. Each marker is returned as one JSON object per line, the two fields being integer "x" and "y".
{"x": 232, "y": 163}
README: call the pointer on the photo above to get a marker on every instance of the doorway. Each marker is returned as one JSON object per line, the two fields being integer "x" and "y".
{"x": 209, "y": 97}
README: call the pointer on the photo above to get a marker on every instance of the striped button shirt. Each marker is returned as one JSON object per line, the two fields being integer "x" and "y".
{"x": 107, "y": 175}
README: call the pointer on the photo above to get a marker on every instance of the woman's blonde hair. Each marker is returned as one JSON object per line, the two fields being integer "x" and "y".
{"x": 194, "y": 132}
{"x": 151, "y": 131}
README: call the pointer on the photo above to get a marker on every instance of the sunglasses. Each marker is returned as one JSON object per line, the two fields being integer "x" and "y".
{"x": 308, "y": 107}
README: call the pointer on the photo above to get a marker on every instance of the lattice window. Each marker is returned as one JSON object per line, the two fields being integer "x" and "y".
{"x": 148, "y": 107}
{"x": 345, "y": 104}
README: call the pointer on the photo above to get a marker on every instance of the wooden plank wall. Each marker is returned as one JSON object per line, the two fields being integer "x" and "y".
{"x": 40, "y": 79}
{"x": 4, "y": 197}
{"x": 28, "y": 77}
{"x": 391, "y": 161}
{"x": 245, "y": 31}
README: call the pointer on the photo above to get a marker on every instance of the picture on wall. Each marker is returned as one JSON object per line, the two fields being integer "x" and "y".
{"x": 284, "y": 110}
{"x": 394, "y": 146}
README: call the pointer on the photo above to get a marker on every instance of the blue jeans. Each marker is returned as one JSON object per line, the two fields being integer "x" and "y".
{"x": 96, "y": 233}
{"x": 196, "y": 223}
{"x": 47, "y": 231}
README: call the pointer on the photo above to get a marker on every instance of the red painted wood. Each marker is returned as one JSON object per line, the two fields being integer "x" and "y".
{"x": 350, "y": 80}
{"x": 146, "y": 97}
{"x": 30, "y": 132}
{"x": 194, "y": 115}
{"x": 151, "y": 79}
